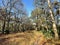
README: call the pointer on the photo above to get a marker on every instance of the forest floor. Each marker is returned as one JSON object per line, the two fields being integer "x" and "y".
{"x": 27, "y": 38}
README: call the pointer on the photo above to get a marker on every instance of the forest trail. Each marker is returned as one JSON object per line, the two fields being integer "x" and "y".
{"x": 24, "y": 38}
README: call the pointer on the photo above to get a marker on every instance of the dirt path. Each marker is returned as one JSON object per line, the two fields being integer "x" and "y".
{"x": 20, "y": 38}
{"x": 32, "y": 38}
{"x": 40, "y": 40}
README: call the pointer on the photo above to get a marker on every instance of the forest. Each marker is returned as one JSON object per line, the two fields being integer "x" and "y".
{"x": 42, "y": 27}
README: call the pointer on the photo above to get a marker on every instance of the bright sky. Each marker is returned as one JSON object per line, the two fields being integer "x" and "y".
{"x": 28, "y": 5}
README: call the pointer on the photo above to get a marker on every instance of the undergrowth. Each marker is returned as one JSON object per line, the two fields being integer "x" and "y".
{"x": 48, "y": 34}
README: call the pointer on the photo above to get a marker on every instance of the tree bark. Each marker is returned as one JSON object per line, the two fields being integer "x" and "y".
{"x": 37, "y": 22}
{"x": 8, "y": 24}
{"x": 3, "y": 27}
{"x": 53, "y": 20}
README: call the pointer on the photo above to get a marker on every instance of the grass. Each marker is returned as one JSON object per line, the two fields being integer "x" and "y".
{"x": 26, "y": 38}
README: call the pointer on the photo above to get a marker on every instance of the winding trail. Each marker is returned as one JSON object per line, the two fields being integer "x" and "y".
{"x": 24, "y": 38}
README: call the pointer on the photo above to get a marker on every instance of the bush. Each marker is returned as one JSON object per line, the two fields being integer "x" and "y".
{"x": 7, "y": 31}
{"x": 48, "y": 34}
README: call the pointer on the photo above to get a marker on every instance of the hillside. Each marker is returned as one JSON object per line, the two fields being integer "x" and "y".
{"x": 25, "y": 38}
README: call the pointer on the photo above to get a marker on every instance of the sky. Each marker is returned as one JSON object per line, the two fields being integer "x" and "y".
{"x": 28, "y": 6}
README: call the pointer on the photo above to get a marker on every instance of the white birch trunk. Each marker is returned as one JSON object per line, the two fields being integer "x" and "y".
{"x": 53, "y": 20}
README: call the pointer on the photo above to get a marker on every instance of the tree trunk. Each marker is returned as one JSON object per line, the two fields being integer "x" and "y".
{"x": 55, "y": 31}
{"x": 3, "y": 27}
{"x": 53, "y": 20}
{"x": 46, "y": 28}
{"x": 36, "y": 27}
{"x": 37, "y": 22}
{"x": 8, "y": 24}
{"x": 18, "y": 27}
{"x": 15, "y": 27}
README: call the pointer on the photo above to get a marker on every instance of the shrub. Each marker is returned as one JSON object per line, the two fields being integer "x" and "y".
{"x": 48, "y": 34}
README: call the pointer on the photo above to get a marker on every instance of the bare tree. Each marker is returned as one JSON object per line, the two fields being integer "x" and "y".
{"x": 53, "y": 20}
{"x": 48, "y": 6}
{"x": 10, "y": 7}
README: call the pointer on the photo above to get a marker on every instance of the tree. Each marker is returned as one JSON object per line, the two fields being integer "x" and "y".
{"x": 10, "y": 9}
{"x": 3, "y": 13}
{"x": 49, "y": 6}
{"x": 39, "y": 17}
{"x": 53, "y": 20}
